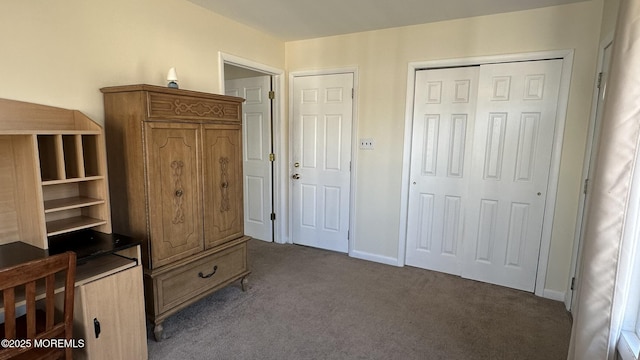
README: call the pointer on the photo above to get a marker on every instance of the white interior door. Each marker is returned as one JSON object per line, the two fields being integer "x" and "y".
{"x": 321, "y": 119}
{"x": 256, "y": 133}
{"x": 444, "y": 112}
{"x": 513, "y": 141}
{"x": 592, "y": 157}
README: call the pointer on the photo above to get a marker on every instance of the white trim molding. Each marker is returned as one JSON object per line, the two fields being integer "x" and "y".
{"x": 373, "y": 257}
{"x": 563, "y": 100}
{"x": 628, "y": 346}
{"x": 554, "y": 295}
{"x": 280, "y": 177}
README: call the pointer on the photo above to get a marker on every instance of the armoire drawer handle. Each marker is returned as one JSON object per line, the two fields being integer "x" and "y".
{"x": 225, "y": 185}
{"x": 215, "y": 268}
{"x": 179, "y": 193}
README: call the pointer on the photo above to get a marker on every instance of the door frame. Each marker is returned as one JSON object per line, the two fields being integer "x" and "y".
{"x": 354, "y": 126}
{"x": 550, "y": 201}
{"x": 593, "y": 134}
{"x": 280, "y": 187}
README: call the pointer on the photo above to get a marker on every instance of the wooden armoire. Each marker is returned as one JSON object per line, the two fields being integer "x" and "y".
{"x": 175, "y": 165}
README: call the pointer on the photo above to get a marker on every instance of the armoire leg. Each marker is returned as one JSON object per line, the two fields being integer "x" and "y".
{"x": 157, "y": 331}
{"x": 243, "y": 283}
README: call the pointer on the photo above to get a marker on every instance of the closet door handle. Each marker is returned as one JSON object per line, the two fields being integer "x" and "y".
{"x": 200, "y": 274}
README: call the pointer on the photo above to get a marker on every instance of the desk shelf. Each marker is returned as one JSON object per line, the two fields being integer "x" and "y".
{"x": 66, "y": 225}
{"x": 70, "y": 203}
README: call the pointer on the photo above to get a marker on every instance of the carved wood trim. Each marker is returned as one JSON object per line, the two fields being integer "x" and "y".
{"x": 178, "y": 191}
{"x": 163, "y": 106}
{"x": 225, "y": 204}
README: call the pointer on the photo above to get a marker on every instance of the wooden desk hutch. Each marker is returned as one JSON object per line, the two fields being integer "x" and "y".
{"x": 55, "y": 198}
{"x": 175, "y": 164}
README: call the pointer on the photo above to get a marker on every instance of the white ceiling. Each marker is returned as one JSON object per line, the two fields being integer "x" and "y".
{"x": 305, "y": 19}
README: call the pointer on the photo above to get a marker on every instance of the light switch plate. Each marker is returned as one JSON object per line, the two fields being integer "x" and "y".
{"x": 367, "y": 143}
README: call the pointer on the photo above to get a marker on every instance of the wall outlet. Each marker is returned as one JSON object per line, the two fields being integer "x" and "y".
{"x": 367, "y": 144}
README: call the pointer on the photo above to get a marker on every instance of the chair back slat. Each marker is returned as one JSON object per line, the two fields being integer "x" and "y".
{"x": 30, "y": 297}
{"x": 9, "y": 313}
{"x": 38, "y": 324}
{"x": 50, "y": 300}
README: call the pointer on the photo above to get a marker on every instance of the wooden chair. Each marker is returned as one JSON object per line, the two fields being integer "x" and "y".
{"x": 18, "y": 285}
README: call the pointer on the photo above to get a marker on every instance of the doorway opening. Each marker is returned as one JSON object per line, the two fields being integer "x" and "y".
{"x": 263, "y": 151}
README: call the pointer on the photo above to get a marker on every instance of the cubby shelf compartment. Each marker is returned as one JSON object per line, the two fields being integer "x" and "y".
{"x": 68, "y": 156}
{"x": 69, "y": 181}
{"x": 62, "y": 226}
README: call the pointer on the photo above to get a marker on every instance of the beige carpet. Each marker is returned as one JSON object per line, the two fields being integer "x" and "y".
{"x": 306, "y": 303}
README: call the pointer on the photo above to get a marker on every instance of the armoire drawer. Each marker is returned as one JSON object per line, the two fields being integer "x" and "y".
{"x": 188, "y": 281}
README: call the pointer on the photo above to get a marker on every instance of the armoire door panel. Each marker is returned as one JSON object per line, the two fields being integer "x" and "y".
{"x": 175, "y": 215}
{"x": 222, "y": 183}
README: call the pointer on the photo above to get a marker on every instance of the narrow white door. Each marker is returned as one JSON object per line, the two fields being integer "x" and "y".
{"x": 592, "y": 157}
{"x": 444, "y": 112}
{"x": 514, "y": 131}
{"x": 256, "y": 133}
{"x": 322, "y": 117}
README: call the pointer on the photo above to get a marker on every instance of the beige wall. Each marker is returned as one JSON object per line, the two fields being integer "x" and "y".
{"x": 609, "y": 17}
{"x": 382, "y": 58}
{"x": 61, "y": 52}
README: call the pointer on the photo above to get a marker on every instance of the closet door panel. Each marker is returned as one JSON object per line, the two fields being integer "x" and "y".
{"x": 443, "y": 123}
{"x": 512, "y": 147}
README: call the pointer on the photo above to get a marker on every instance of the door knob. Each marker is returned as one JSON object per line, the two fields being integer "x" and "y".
{"x": 296, "y": 176}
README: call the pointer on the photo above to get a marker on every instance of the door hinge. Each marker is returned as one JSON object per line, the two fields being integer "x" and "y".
{"x": 272, "y": 157}
{"x": 586, "y": 185}
{"x": 348, "y": 235}
{"x": 273, "y": 216}
{"x": 272, "y": 95}
{"x": 573, "y": 283}
{"x": 353, "y": 93}
{"x": 599, "y": 80}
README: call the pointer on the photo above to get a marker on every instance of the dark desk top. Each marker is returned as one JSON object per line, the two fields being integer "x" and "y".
{"x": 87, "y": 244}
{"x": 18, "y": 252}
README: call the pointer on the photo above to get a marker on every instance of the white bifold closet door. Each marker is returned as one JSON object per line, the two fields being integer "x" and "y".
{"x": 444, "y": 113}
{"x": 480, "y": 171}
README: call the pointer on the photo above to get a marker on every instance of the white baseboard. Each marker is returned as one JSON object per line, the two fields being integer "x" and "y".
{"x": 554, "y": 295}
{"x": 373, "y": 257}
